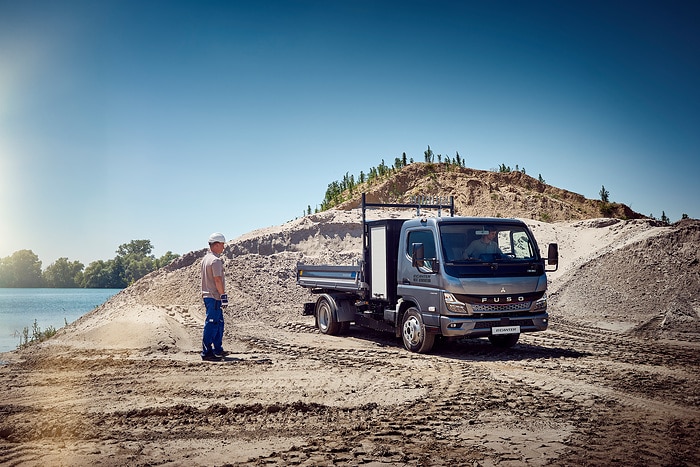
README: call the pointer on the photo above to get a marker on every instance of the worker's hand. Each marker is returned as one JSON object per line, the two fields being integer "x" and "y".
{"x": 224, "y": 300}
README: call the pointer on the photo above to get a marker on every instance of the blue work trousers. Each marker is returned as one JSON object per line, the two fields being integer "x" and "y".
{"x": 213, "y": 334}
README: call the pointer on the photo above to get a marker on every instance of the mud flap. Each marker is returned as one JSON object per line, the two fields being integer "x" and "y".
{"x": 346, "y": 311}
{"x": 309, "y": 308}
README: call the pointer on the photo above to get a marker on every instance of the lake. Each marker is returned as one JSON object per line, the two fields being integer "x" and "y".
{"x": 19, "y": 308}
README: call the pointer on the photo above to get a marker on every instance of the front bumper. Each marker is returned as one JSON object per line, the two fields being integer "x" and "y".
{"x": 457, "y": 326}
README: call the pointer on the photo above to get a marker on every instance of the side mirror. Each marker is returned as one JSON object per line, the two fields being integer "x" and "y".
{"x": 553, "y": 256}
{"x": 417, "y": 255}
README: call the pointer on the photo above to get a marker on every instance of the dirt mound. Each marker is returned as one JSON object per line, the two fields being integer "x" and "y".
{"x": 487, "y": 193}
{"x": 649, "y": 287}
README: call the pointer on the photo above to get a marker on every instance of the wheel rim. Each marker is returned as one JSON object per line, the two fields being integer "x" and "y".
{"x": 323, "y": 319}
{"x": 412, "y": 331}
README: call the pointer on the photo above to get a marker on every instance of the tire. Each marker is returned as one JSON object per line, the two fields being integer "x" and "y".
{"x": 415, "y": 338}
{"x": 326, "y": 317}
{"x": 505, "y": 341}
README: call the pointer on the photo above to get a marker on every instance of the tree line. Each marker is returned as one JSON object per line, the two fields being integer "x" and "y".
{"x": 133, "y": 260}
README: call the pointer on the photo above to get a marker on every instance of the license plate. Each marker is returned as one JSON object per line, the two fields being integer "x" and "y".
{"x": 505, "y": 330}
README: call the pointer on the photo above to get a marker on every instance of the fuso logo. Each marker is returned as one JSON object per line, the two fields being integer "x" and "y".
{"x": 502, "y": 299}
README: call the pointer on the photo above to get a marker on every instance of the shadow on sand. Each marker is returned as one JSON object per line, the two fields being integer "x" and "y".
{"x": 476, "y": 349}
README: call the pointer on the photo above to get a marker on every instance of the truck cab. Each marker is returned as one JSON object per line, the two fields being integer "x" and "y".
{"x": 469, "y": 277}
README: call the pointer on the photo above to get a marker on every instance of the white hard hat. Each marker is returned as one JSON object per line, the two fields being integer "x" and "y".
{"x": 217, "y": 237}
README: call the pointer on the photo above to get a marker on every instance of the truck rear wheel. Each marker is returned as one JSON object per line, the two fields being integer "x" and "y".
{"x": 326, "y": 317}
{"x": 505, "y": 341}
{"x": 415, "y": 337}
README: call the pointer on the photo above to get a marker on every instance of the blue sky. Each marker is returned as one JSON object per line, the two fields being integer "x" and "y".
{"x": 167, "y": 120}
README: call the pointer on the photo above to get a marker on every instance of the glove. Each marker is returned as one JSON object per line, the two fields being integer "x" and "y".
{"x": 224, "y": 300}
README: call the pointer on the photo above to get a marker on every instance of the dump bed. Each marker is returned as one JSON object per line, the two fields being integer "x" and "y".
{"x": 330, "y": 277}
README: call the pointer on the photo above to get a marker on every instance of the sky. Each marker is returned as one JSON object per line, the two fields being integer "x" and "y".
{"x": 169, "y": 120}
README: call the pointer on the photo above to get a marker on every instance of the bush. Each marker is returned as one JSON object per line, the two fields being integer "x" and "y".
{"x": 37, "y": 335}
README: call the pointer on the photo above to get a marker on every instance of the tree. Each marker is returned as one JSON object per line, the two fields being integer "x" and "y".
{"x": 541, "y": 179}
{"x": 98, "y": 275}
{"x": 428, "y": 154}
{"x": 64, "y": 274}
{"x": 139, "y": 248}
{"x": 169, "y": 256}
{"x": 135, "y": 268}
{"x": 21, "y": 269}
{"x": 664, "y": 217}
{"x": 133, "y": 261}
{"x": 604, "y": 195}
{"x": 6, "y": 274}
{"x": 117, "y": 272}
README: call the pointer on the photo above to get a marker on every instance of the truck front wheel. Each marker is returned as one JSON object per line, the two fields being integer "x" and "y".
{"x": 415, "y": 337}
{"x": 326, "y": 318}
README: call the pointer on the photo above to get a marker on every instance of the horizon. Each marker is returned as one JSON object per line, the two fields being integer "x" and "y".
{"x": 165, "y": 120}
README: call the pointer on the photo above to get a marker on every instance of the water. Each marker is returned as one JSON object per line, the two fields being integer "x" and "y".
{"x": 49, "y": 307}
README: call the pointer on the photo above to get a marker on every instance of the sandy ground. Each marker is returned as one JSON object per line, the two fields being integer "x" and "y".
{"x": 610, "y": 383}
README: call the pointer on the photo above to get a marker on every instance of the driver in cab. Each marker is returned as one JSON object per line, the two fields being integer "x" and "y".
{"x": 485, "y": 247}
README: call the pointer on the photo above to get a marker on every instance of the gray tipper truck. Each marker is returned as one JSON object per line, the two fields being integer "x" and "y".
{"x": 416, "y": 279}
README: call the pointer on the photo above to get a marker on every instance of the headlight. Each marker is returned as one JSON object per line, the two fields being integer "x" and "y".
{"x": 541, "y": 304}
{"x": 454, "y": 305}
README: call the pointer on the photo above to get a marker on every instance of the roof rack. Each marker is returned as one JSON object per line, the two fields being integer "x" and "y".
{"x": 428, "y": 202}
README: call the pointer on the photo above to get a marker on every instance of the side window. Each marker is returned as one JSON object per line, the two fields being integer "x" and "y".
{"x": 503, "y": 240}
{"x": 426, "y": 238}
{"x": 522, "y": 246}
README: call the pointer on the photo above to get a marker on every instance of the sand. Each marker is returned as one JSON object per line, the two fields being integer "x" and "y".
{"x": 613, "y": 381}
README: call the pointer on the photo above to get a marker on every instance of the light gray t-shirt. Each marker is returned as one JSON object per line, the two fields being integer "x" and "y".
{"x": 212, "y": 266}
{"x": 479, "y": 247}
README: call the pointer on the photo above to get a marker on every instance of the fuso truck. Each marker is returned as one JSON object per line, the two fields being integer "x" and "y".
{"x": 426, "y": 277}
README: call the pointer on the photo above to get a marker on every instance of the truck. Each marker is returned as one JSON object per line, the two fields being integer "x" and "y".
{"x": 418, "y": 279}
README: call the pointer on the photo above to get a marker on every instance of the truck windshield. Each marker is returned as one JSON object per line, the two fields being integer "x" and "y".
{"x": 478, "y": 243}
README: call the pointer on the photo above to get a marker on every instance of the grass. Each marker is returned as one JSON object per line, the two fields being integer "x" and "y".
{"x": 37, "y": 335}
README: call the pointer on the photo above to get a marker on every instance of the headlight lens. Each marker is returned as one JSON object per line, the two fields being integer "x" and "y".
{"x": 454, "y": 305}
{"x": 541, "y": 304}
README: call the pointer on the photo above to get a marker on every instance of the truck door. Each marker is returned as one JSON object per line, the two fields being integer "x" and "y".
{"x": 420, "y": 284}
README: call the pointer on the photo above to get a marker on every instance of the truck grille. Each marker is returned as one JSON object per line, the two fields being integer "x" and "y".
{"x": 497, "y": 308}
